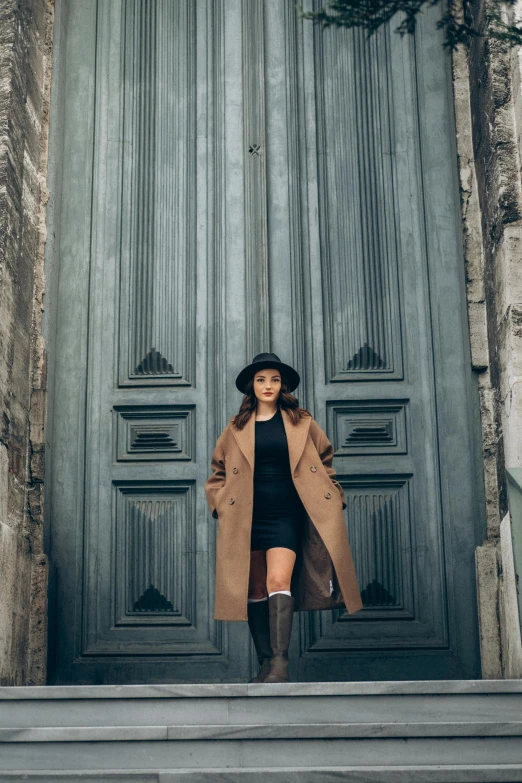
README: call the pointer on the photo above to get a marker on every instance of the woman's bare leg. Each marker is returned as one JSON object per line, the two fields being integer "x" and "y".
{"x": 257, "y": 579}
{"x": 279, "y": 564}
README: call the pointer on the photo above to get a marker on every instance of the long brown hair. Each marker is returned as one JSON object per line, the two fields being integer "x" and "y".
{"x": 285, "y": 400}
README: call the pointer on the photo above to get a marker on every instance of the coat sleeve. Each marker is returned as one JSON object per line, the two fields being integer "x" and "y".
{"x": 326, "y": 452}
{"x": 217, "y": 479}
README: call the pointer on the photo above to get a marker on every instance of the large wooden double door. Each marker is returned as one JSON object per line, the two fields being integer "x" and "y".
{"x": 225, "y": 180}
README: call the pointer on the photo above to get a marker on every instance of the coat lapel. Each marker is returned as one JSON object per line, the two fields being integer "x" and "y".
{"x": 296, "y": 435}
{"x": 246, "y": 439}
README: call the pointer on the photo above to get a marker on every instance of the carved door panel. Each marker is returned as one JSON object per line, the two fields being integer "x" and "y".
{"x": 366, "y": 295}
{"x": 227, "y": 181}
{"x": 142, "y": 297}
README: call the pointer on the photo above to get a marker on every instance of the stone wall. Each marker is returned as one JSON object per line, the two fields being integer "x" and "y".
{"x": 25, "y": 67}
{"x": 488, "y": 108}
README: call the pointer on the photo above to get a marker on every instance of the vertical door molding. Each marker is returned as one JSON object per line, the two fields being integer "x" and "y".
{"x": 376, "y": 390}
{"x": 159, "y": 181}
{"x": 288, "y": 243}
{"x": 254, "y": 147}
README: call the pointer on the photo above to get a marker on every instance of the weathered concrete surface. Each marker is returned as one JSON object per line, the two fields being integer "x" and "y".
{"x": 25, "y": 60}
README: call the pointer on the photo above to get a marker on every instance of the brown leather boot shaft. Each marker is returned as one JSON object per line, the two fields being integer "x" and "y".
{"x": 281, "y": 610}
{"x": 259, "y": 625}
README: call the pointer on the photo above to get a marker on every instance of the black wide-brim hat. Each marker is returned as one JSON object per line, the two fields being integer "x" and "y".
{"x": 261, "y": 361}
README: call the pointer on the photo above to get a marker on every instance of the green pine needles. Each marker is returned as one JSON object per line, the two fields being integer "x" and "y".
{"x": 461, "y": 21}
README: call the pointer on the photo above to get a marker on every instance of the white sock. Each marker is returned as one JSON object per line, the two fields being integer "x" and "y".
{"x": 284, "y": 592}
{"x": 257, "y": 600}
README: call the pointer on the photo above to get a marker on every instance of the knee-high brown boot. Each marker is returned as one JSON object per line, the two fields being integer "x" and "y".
{"x": 258, "y": 622}
{"x": 281, "y": 612}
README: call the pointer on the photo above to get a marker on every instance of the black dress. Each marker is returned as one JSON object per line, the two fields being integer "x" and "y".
{"x": 278, "y": 513}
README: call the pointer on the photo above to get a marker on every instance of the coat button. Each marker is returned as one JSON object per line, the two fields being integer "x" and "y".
{"x": 313, "y": 468}
{"x": 328, "y": 495}
{"x": 234, "y": 470}
{"x": 231, "y": 501}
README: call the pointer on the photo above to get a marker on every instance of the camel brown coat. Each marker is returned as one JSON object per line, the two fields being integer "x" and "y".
{"x": 324, "y": 560}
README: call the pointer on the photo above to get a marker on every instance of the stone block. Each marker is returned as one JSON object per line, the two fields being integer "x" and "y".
{"x": 487, "y": 597}
{"x": 477, "y": 319}
{"x": 14, "y": 603}
{"x": 37, "y": 646}
{"x": 508, "y": 607}
{"x": 508, "y": 279}
{"x": 512, "y": 423}
{"x": 4, "y": 482}
{"x": 469, "y": 201}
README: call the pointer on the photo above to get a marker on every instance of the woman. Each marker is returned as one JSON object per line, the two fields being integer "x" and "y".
{"x": 282, "y": 544}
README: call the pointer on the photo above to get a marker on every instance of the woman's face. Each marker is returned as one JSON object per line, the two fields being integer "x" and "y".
{"x": 267, "y": 385}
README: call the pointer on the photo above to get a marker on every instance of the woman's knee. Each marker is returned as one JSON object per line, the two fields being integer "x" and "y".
{"x": 277, "y": 582}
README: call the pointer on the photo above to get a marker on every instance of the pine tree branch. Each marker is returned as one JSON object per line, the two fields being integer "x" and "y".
{"x": 370, "y": 15}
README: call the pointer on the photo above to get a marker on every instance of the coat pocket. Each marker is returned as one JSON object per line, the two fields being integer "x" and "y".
{"x": 219, "y": 496}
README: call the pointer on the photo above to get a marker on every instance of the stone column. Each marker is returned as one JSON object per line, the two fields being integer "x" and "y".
{"x": 486, "y": 81}
{"x": 25, "y": 64}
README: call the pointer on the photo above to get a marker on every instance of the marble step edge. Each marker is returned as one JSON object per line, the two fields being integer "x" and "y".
{"x": 230, "y": 690}
{"x": 491, "y": 773}
{"x": 272, "y": 731}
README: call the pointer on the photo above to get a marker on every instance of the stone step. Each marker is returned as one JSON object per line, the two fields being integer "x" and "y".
{"x": 275, "y": 731}
{"x": 458, "y": 773}
{"x": 409, "y": 731}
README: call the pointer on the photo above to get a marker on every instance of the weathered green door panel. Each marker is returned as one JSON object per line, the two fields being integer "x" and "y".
{"x": 235, "y": 181}
{"x": 365, "y": 274}
{"x": 133, "y": 542}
